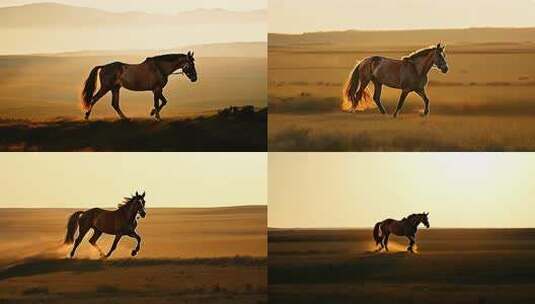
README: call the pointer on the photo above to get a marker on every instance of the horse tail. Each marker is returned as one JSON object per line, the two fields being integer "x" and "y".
{"x": 89, "y": 88}
{"x": 351, "y": 87}
{"x": 378, "y": 233}
{"x": 72, "y": 226}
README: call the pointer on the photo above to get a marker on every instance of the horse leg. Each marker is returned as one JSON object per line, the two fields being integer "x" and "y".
{"x": 136, "y": 236}
{"x": 93, "y": 241}
{"x": 115, "y": 102}
{"x": 156, "y": 110}
{"x": 377, "y": 96}
{"x": 387, "y": 235}
{"x": 83, "y": 229}
{"x": 363, "y": 84}
{"x": 423, "y": 95}
{"x": 101, "y": 92}
{"x": 114, "y": 245}
{"x": 164, "y": 102}
{"x": 411, "y": 243}
{"x": 402, "y": 98}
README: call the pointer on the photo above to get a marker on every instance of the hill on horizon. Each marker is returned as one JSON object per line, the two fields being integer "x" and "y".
{"x": 392, "y": 38}
{"x": 59, "y": 15}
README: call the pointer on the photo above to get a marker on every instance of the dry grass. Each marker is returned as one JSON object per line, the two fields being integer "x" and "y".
{"x": 187, "y": 256}
{"x": 485, "y": 102}
{"x": 211, "y": 132}
{"x": 452, "y": 266}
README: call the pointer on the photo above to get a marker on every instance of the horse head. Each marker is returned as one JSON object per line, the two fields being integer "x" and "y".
{"x": 189, "y": 67}
{"x": 424, "y": 219}
{"x": 139, "y": 199}
{"x": 440, "y": 58}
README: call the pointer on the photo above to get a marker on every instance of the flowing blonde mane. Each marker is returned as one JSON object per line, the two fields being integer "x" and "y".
{"x": 420, "y": 52}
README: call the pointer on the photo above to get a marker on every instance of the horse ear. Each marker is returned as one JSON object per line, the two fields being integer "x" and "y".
{"x": 143, "y": 195}
{"x": 137, "y": 194}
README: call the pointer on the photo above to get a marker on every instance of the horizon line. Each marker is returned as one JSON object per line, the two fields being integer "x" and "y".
{"x": 157, "y": 207}
{"x": 136, "y": 11}
{"x": 404, "y": 29}
{"x": 371, "y": 228}
{"x": 72, "y": 53}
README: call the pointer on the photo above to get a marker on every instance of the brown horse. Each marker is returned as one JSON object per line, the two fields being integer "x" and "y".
{"x": 408, "y": 74}
{"x": 119, "y": 222}
{"x": 150, "y": 75}
{"x": 406, "y": 227}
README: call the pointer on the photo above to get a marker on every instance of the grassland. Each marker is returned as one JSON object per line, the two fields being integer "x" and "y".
{"x": 187, "y": 256}
{"x": 484, "y": 103}
{"x": 479, "y": 266}
{"x": 208, "y": 132}
{"x": 40, "y": 104}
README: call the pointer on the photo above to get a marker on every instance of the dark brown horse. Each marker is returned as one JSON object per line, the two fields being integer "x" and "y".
{"x": 119, "y": 222}
{"x": 406, "y": 227}
{"x": 150, "y": 75}
{"x": 408, "y": 74}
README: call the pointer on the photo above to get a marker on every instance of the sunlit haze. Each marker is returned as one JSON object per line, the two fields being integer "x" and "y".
{"x": 359, "y": 189}
{"x": 297, "y": 16}
{"x": 103, "y": 179}
{"x": 30, "y": 27}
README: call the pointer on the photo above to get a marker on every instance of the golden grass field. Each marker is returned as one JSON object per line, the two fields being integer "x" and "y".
{"x": 463, "y": 266}
{"x": 484, "y": 103}
{"x": 187, "y": 256}
{"x": 40, "y": 103}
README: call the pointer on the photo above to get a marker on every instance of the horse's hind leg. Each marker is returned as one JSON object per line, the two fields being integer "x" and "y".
{"x": 358, "y": 96}
{"x": 101, "y": 92}
{"x": 115, "y": 102}
{"x": 93, "y": 241}
{"x": 386, "y": 241}
{"x": 136, "y": 236}
{"x": 423, "y": 95}
{"x": 84, "y": 228}
{"x": 402, "y": 98}
{"x": 377, "y": 96}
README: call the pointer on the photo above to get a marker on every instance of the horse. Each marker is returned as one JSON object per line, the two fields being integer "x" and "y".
{"x": 150, "y": 75}
{"x": 119, "y": 222}
{"x": 408, "y": 227}
{"x": 408, "y": 74}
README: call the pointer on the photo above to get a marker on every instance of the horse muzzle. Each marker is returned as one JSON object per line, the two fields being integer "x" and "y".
{"x": 444, "y": 70}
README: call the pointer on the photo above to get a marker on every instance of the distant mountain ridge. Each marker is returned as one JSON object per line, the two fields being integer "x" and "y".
{"x": 236, "y": 49}
{"x": 407, "y": 37}
{"x": 61, "y": 15}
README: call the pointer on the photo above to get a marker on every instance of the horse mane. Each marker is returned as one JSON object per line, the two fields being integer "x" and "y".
{"x": 420, "y": 52}
{"x": 411, "y": 217}
{"x": 126, "y": 202}
{"x": 167, "y": 57}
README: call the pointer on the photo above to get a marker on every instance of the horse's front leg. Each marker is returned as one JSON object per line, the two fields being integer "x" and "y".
{"x": 136, "y": 236}
{"x": 114, "y": 245}
{"x": 402, "y": 98}
{"x": 411, "y": 243}
{"x": 156, "y": 110}
{"x": 423, "y": 95}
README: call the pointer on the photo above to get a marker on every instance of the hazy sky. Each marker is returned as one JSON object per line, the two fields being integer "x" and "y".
{"x": 154, "y": 6}
{"x": 296, "y": 16}
{"x": 102, "y": 179}
{"x": 359, "y": 189}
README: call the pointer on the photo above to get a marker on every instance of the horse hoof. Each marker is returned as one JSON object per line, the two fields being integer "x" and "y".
{"x": 134, "y": 253}
{"x": 152, "y": 112}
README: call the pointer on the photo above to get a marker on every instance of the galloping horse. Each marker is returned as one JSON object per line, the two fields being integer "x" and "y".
{"x": 408, "y": 74}
{"x": 406, "y": 227}
{"x": 119, "y": 222}
{"x": 150, "y": 75}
